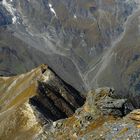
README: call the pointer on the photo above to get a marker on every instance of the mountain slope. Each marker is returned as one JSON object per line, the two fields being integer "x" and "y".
{"x": 40, "y": 105}
{"x": 31, "y": 100}
{"x": 75, "y": 34}
{"x": 124, "y": 64}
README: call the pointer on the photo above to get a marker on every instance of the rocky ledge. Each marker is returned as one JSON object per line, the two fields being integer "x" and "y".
{"x": 103, "y": 116}
{"x": 39, "y": 105}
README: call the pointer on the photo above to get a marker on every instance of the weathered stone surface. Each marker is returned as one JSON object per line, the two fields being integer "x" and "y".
{"x": 56, "y": 99}
{"x": 92, "y": 122}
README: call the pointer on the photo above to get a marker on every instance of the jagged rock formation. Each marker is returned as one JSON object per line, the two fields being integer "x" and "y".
{"x": 56, "y": 99}
{"x": 98, "y": 119}
{"x": 31, "y": 100}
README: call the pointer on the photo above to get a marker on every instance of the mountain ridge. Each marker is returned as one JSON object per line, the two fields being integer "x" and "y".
{"x": 39, "y": 105}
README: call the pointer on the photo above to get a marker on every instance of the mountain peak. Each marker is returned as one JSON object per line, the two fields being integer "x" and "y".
{"x": 35, "y": 98}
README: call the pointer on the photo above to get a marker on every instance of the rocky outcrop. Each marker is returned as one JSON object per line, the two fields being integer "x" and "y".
{"x": 101, "y": 117}
{"x": 56, "y": 99}
{"x": 104, "y": 100}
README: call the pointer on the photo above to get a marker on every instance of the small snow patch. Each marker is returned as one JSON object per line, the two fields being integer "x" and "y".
{"x": 75, "y": 16}
{"x": 10, "y": 9}
{"x": 52, "y": 10}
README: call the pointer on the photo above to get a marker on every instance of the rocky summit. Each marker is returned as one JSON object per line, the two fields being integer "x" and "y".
{"x": 32, "y": 100}
{"x": 39, "y": 105}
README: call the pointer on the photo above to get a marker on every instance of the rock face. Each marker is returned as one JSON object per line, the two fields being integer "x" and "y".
{"x": 80, "y": 40}
{"x": 102, "y": 99}
{"x": 98, "y": 119}
{"x": 56, "y": 99}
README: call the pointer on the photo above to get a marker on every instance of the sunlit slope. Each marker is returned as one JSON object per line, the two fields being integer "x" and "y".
{"x": 17, "y": 119}
{"x": 19, "y": 123}
{"x": 16, "y": 90}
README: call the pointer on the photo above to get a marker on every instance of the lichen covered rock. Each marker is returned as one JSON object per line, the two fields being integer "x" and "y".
{"x": 97, "y": 120}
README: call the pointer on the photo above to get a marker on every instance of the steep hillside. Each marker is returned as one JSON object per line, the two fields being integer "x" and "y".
{"x": 16, "y": 56}
{"x": 124, "y": 64}
{"x": 73, "y": 35}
